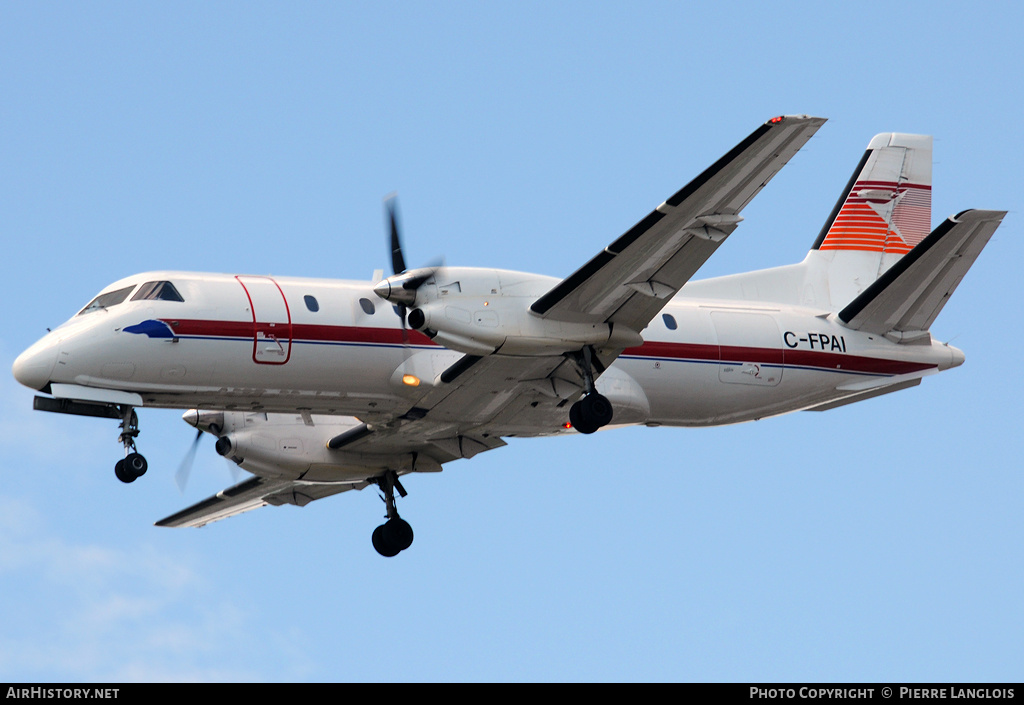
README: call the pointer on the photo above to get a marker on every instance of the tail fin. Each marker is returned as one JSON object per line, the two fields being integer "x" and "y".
{"x": 882, "y": 214}
{"x": 887, "y": 206}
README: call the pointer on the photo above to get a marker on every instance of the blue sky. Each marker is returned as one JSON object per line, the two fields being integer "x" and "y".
{"x": 876, "y": 542}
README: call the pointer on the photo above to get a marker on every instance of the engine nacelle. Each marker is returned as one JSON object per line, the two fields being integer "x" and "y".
{"x": 487, "y": 311}
{"x": 505, "y": 325}
{"x": 285, "y": 446}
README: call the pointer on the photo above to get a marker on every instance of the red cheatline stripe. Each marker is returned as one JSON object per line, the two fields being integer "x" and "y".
{"x": 299, "y": 331}
{"x": 652, "y": 349}
{"x": 776, "y": 356}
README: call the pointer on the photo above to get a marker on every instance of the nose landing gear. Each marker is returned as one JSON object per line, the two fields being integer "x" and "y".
{"x": 134, "y": 464}
{"x": 395, "y": 535}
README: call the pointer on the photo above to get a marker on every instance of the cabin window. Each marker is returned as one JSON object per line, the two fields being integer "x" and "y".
{"x": 670, "y": 321}
{"x": 111, "y": 298}
{"x": 368, "y": 308}
{"x": 157, "y": 291}
{"x": 311, "y": 303}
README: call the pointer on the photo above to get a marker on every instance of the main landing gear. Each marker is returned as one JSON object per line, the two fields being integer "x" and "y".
{"x": 394, "y": 535}
{"x": 594, "y": 410}
{"x": 134, "y": 464}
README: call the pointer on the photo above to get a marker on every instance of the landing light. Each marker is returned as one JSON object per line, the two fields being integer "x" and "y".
{"x": 411, "y": 380}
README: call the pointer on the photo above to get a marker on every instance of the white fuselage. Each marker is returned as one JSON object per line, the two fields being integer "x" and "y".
{"x": 334, "y": 347}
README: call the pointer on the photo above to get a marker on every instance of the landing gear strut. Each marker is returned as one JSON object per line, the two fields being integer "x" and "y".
{"x": 594, "y": 410}
{"x": 134, "y": 465}
{"x": 395, "y": 535}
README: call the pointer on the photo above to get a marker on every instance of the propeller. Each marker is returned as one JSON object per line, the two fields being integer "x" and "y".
{"x": 400, "y": 288}
{"x": 185, "y": 469}
{"x": 204, "y": 421}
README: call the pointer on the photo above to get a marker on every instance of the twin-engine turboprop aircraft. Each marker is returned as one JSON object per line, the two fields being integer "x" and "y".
{"x": 317, "y": 386}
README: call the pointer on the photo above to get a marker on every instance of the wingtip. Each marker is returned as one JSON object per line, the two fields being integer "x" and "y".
{"x": 778, "y": 119}
{"x": 977, "y": 214}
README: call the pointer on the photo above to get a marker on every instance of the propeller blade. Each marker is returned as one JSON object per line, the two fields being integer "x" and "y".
{"x": 397, "y": 259}
{"x": 401, "y": 287}
{"x": 403, "y": 313}
{"x": 236, "y": 472}
{"x": 185, "y": 469}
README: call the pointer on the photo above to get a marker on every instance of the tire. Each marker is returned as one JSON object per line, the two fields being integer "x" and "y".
{"x": 398, "y": 533}
{"x": 585, "y": 418}
{"x": 596, "y": 409}
{"x": 135, "y": 464}
{"x": 381, "y": 543}
{"x": 122, "y": 474}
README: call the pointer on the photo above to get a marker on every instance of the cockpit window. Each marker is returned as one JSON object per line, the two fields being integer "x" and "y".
{"x": 111, "y": 298}
{"x": 160, "y": 291}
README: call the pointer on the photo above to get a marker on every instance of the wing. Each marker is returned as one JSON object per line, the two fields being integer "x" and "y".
{"x": 254, "y": 493}
{"x": 634, "y": 277}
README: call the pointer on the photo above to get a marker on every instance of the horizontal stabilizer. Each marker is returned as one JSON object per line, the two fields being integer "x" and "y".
{"x": 869, "y": 394}
{"x": 905, "y": 300}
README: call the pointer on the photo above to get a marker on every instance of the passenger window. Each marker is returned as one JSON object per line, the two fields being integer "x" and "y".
{"x": 368, "y": 308}
{"x": 311, "y": 303}
{"x": 157, "y": 291}
{"x": 111, "y": 298}
{"x": 670, "y": 321}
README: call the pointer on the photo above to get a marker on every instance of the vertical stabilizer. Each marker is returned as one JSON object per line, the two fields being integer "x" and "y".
{"x": 884, "y": 211}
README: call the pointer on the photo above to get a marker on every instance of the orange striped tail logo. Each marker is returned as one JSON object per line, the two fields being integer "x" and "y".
{"x": 881, "y": 216}
{"x": 887, "y": 207}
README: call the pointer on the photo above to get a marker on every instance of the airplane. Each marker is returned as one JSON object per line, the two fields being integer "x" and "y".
{"x": 321, "y": 386}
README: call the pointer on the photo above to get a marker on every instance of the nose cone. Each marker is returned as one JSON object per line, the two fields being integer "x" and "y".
{"x": 34, "y": 367}
{"x": 383, "y": 289}
{"x": 210, "y": 421}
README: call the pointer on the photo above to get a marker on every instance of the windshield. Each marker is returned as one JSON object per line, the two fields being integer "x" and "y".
{"x": 111, "y": 298}
{"x": 162, "y": 291}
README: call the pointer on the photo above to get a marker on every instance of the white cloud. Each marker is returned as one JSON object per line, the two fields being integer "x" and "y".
{"x": 80, "y": 611}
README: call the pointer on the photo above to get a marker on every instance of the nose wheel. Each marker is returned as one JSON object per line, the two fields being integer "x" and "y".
{"x": 134, "y": 464}
{"x": 395, "y": 535}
